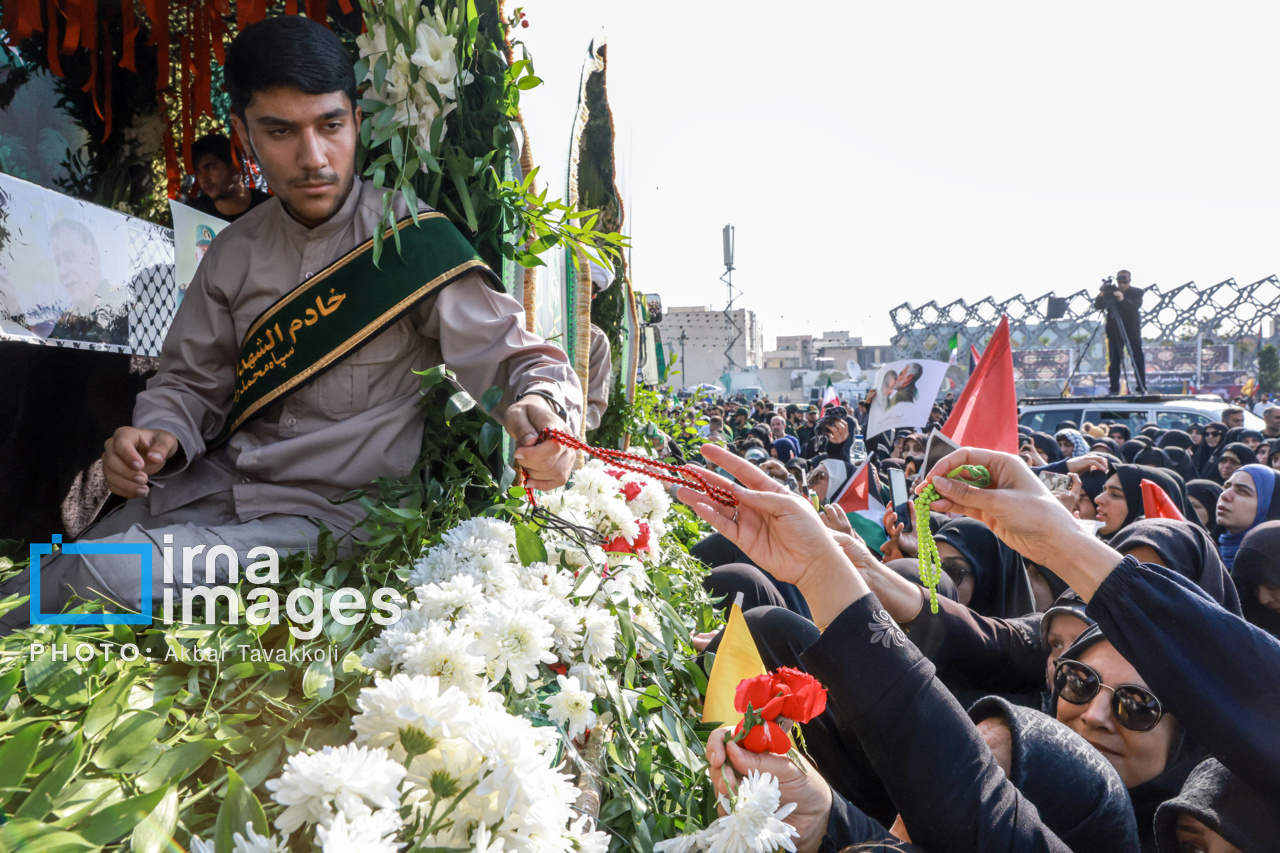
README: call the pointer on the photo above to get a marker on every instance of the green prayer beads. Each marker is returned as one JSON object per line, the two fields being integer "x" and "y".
{"x": 930, "y": 564}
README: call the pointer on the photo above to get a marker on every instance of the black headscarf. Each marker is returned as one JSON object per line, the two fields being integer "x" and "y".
{"x": 1247, "y": 434}
{"x": 1131, "y": 477}
{"x": 1176, "y": 438}
{"x": 1093, "y": 483}
{"x": 1258, "y": 561}
{"x": 1048, "y": 446}
{"x": 1070, "y": 603}
{"x": 1187, "y": 549}
{"x": 1207, "y": 492}
{"x": 1001, "y": 588}
{"x": 1244, "y": 818}
{"x": 1130, "y": 449}
{"x": 1181, "y": 463}
{"x": 1154, "y": 457}
{"x": 1122, "y": 429}
{"x": 1048, "y": 759}
{"x": 1111, "y": 447}
{"x": 1238, "y": 449}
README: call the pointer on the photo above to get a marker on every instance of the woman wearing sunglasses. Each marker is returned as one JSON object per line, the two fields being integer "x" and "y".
{"x": 1208, "y": 448}
{"x": 1101, "y": 697}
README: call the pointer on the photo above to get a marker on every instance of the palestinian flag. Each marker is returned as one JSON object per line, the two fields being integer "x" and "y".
{"x": 859, "y": 497}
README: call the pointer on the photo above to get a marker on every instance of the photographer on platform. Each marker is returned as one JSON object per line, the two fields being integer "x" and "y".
{"x": 1123, "y": 305}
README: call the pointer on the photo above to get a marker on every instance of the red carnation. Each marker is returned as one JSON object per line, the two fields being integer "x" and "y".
{"x": 766, "y": 737}
{"x": 631, "y": 490}
{"x": 807, "y": 699}
{"x": 642, "y": 538}
{"x": 619, "y": 545}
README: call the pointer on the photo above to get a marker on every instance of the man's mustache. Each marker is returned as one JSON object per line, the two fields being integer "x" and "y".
{"x": 311, "y": 180}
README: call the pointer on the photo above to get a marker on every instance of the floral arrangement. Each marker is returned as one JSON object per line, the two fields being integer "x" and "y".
{"x": 444, "y": 752}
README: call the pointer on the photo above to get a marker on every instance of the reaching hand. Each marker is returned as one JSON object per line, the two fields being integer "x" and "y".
{"x": 127, "y": 471}
{"x": 892, "y": 547}
{"x": 776, "y": 528}
{"x": 1023, "y": 514}
{"x": 1088, "y": 462}
{"x": 548, "y": 464}
{"x": 801, "y": 785}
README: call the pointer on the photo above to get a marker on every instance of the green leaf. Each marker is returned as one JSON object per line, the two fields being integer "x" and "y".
{"x": 525, "y": 83}
{"x": 459, "y": 402}
{"x": 318, "y": 680}
{"x": 28, "y": 836}
{"x": 8, "y": 683}
{"x": 59, "y": 685}
{"x": 16, "y": 757}
{"x": 178, "y": 763}
{"x": 153, "y": 834}
{"x": 106, "y": 709}
{"x": 131, "y": 736}
{"x": 240, "y": 807}
{"x": 262, "y": 765}
{"x": 529, "y": 545}
{"x": 114, "y": 822}
{"x": 40, "y": 801}
{"x": 490, "y": 437}
{"x": 490, "y": 399}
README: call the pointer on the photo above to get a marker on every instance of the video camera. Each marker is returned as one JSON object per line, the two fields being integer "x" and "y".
{"x": 834, "y": 415}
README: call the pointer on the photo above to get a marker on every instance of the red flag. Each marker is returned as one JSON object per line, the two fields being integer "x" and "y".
{"x": 986, "y": 415}
{"x": 1156, "y": 503}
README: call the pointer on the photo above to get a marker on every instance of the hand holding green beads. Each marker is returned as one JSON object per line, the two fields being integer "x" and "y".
{"x": 930, "y": 563}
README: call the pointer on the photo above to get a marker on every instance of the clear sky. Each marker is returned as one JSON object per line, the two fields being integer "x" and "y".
{"x": 871, "y": 154}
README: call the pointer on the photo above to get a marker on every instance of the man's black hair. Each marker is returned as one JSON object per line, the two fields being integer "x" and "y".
{"x": 214, "y": 143}
{"x": 290, "y": 51}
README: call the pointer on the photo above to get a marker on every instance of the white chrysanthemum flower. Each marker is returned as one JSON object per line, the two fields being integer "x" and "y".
{"x": 200, "y": 846}
{"x": 443, "y": 653}
{"x": 646, "y": 618}
{"x": 389, "y": 646}
{"x": 513, "y": 642}
{"x": 590, "y": 677}
{"x": 754, "y": 822}
{"x": 599, "y": 635}
{"x": 617, "y": 519}
{"x": 517, "y": 780}
{"x": 652, "y": 504}
{"x": 373, "y": 833}
{"x": 405, "y": 701}
{"x": 586, "y": 838}
{"x": 351, "y": 779}
{"x": 252, "y": 842}
{"x": 451, "y": 599}
{"x": 482, "y": 841}
{"x": 571, "y": 707}
{"x": 691, "y": 843}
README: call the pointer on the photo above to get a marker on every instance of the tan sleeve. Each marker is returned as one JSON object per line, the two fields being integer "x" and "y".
{"x": 599, "y": 377}
{"x": 191, "y": 392}
{"x": 482, "y": 339}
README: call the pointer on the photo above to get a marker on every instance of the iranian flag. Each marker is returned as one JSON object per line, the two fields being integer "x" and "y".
{"x": 829, "y": 397}
{"x": 860, "y": 499}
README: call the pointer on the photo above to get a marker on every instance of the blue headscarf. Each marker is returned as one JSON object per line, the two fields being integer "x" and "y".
{"x": 1264, "y": 481}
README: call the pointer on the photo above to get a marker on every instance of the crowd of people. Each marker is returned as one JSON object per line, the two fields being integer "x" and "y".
{"x": 1093, "y": 679}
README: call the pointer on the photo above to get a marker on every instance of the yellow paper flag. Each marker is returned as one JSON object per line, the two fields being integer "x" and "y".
{"x": 736, "y": 660}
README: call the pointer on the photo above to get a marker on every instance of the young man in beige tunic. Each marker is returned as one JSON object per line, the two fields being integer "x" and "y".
{"x": 273, "y": 482}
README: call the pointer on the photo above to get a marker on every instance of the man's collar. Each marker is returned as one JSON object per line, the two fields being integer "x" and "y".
{"x": 339, "y": 220}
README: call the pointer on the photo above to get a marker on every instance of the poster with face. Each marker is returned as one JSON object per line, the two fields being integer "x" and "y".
{"x": 66, "y": 267}
{"x": 905, "y": 391}
{"x": 193, "y": 233}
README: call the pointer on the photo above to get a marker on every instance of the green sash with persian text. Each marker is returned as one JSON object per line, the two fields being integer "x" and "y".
{"x": 341, "y": 308}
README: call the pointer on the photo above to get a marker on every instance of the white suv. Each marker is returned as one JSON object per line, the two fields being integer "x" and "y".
{"x": 1043, "y": 414}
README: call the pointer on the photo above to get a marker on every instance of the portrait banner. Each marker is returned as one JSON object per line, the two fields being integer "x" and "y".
{"x": 905, "y": 392}
{"x": 72, "y": 273}
{"x": 193, "y": 232}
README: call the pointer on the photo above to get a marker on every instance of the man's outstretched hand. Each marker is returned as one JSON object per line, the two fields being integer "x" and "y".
{"x": 548, "y": 464}
{"x": 132, "y": 455}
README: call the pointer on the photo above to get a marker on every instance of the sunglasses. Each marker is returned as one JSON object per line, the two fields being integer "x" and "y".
{"x": 1136, "y": 708}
